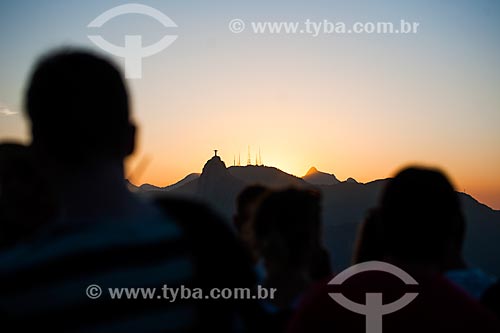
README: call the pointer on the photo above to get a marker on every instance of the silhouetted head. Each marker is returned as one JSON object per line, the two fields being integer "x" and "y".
{"x": 26, "y": 203}
{"x": 246, "y": 205}
{"x": 79, "y": 109}
{"x": 287, "y": 228}
{"x": 421, "y": 218}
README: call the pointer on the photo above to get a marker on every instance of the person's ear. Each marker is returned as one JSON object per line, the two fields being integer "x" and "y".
{"x": 130, "y": 139}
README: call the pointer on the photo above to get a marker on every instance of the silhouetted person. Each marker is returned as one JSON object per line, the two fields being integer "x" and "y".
{"x": 432, "y": 234}
{"x": 81, "y": 130}
{"x": 422, "y": 220}
{"x": 433, "y": 231}
{"x": 221, "y": 261}
{"x": 26, "y": 202}
{"x": 420, "y": 229}
{"x": 287, "y": 231}
{"x": 246, "y": 206}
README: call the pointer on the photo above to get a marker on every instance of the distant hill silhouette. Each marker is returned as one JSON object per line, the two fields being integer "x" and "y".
{"x": 351, "y": 180}
{"x": 185, "y": 180}
{"x": 344, "y": 207}
{"x": 315, "y": 177}
{"x": 217, "y": 186}
{"x": 269, "y": 176}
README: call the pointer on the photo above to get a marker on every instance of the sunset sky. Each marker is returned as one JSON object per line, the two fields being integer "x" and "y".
{"x": 356, "y": 105}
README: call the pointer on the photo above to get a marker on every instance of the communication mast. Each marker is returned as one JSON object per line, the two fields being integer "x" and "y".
{"x": 249, "y": 160}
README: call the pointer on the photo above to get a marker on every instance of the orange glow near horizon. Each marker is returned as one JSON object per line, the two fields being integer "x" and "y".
{"x": 327, "y": 126}
{"x": 160, "y": 173}
{"x": 356, "y": 105}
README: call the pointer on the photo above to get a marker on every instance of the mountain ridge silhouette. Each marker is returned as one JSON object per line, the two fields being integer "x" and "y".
{"x": 315, "y": 177}
{"x": 344, "y": 207}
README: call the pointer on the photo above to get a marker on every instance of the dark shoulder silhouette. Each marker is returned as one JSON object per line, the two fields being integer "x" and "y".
{"x": 27, "y": 203}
